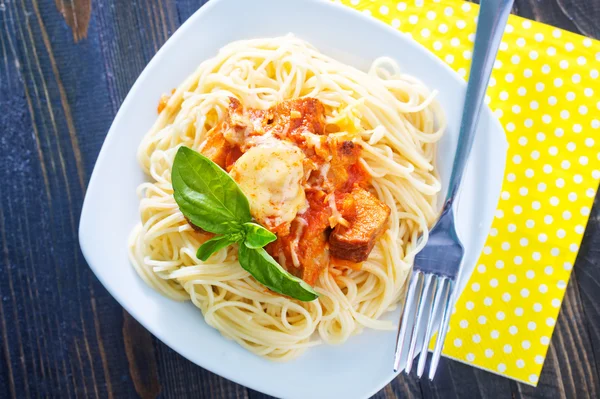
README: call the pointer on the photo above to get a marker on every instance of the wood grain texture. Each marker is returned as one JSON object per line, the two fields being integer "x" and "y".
{"x": 65, "y": 68}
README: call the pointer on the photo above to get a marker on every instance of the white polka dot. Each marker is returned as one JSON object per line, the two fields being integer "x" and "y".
{"x": 564, "y": 114}
{"x": 576, "y": 78}
{"x": 512, "y": 279}
{"x": 567, "y": 266}
{"x": 413, "y": 19}
{"x": 554, "y": 201}
{"x": 559, "y": 132}
{"x": 454, "y": 42}
{"x": 530, "y": 224}
{"x": 561, "y": 233}
{"x": 494, "y": 334}
{"x": 431, "y": 15}
{"x": 569, "y": 46}
{"x": 550, "y": 321}
{"x": 548, "y": 270}
{"x": 395, "y": 23}
{"x": 537, "y": 307}
{"x": 541, "y": 187}
{"x": 519, "y": 312}
{"x": 529, "y": 172}
{"x": 538, "y": 37}
{"x": 500, "y": 315}
{"x": 545, "y": 69}
{"x": 555, "y": 303}
{"x": 425, "y": 33}
{"x": 561, "y": 285}
{"x": 528, "y": 122}
{"x": 540, "y": 136}
{"x": 384, "y": 10}
{"x": 548, "y": 219}
{"x": 443, "y": 28}
{"x": 583, "y": 160}
{"x": 552, "y": 100}
{"x": 437, "y": 45}
{"x": 493, "y": 283}
{"x": 449, "y": 11}
{"x": 596, "y": 124}
{"x": 482, "y": 320}
{"x": 534, "y": 105}
{"x": 533, "y": 378}
{"x": 505, "y": 195}
{"x": 517, "y": 209}
{"x": 507, "y": 348}
{"x": 590, "y": 192}
{"x": 558, "y": 82}
{"x": 513, "y": 330}
{"x": 510, "y": 127}
{"x": 506, "y": 297}
{"x": 565, "y": 164}
{"x": 460, "y": 24}
{"x": 585, "y": 211}
{"x": 563, "y": 64}
{"x": 554, "y": 252}
{"x": 589, "y": 142}
{"x": 530, "y": 274}
{"x": 449, "y": 58}
{"x": 501, "y": 368}
{"x": 522, "y": 91}
{"x": 524, "y": 242}
{"x": 475, "y": 287}
{"x": 458, "y": 342}
{"x": 579, "y": 230}
{"x": 470, "y": 357}
{"x": 512, "y": 228}
{"x": 526, "y": 24}
{"x": 525, "y": 293}
{"x": 531, "y": 326}
{"x": 533, "y": 55}
{"x": 489, "y": 353}
{"x": 470, "y": 305}
{"x": 520, "y": 363}
{"x": 573, "y": 247}
{"x": 536, "y": 255}
{"x": 520, "y": 42}
{"x": 572, "y": 197}
{"x": 543, "y": 288}
{"x": 487, "y": 301}
{"x": 536, "y": 205}
{"x": 401, "y": 6}
{"x": 544, "y": 340}
{"x": 570, "y": 96}
{"x": 551, "y": 51}
{"x": 463, "y": 324}
{"x": 527, "y": 72}
{"x": 499, "y": 264}
{"x": 571, "y": 146}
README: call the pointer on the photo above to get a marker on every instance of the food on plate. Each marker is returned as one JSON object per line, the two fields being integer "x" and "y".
{"x": 287, "y": 193}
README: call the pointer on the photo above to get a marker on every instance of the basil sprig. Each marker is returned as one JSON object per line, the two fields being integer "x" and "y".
{"x": 210, "y": 199}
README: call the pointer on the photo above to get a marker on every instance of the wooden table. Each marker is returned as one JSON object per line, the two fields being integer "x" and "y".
{"x": 65, "y": 68}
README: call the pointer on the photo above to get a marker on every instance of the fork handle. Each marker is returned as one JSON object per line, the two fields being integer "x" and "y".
{"x": 493, "y": 15}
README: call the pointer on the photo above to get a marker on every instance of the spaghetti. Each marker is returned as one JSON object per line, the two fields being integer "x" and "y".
{"x": 395, "y": 120}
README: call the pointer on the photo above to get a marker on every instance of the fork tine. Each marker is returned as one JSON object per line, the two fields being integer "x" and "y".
{"x": 439, "y": 299}
{"x": 439, "y": 344}
{"x": 423, "y": 296}
{"x": 410, "y": 297}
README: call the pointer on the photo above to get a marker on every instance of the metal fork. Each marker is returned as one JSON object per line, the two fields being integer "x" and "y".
{"x": 431, "y": 293}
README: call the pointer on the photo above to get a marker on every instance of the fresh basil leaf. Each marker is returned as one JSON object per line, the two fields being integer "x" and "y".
{"x": 216, "y": 243}
{"x": 257, "y": 236}
{"x": 270, "y": 273}
{"x": 206, "y": 194}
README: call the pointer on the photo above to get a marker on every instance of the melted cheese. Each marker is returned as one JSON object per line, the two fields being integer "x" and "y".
{"x": 271, "y": 174}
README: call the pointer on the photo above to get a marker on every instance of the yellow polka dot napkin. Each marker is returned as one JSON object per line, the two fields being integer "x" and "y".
{"x": 545, "y": 90}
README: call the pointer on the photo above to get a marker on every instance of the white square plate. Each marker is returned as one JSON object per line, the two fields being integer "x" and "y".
{"x": 362, "y": 365}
